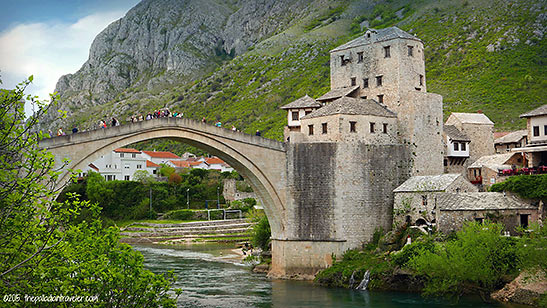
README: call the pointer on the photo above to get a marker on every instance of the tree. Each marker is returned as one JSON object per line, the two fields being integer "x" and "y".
{"x": 43, "y": 251}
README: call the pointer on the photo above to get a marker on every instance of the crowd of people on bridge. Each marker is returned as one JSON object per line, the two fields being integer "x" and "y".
{"x": 161, "y": 113}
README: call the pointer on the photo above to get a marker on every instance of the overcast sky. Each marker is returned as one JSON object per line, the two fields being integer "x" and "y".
{"x": 50, "y": 38}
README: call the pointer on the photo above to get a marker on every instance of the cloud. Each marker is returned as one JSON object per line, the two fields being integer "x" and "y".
{"x": 48, "y": 51}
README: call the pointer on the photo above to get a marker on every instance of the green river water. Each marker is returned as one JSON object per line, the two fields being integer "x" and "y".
{"x": 210, "y": 276}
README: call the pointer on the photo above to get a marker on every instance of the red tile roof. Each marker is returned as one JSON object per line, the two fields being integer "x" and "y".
{"x": 500, "y": 134}
{"x": 214, "y": 160}
{"x": 126, "y": 150}
{"x": 160, "y": 154}
{"x": 150, "y": 164}
{"x": 185, "y": 163}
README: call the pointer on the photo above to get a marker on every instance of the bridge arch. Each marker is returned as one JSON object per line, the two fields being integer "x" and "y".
{"x": 260, "y": 161}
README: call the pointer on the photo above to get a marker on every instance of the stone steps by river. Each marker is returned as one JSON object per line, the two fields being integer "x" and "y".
{"x": 199, "y": 231}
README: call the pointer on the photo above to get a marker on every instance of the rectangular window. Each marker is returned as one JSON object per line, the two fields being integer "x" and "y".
{"x": 295, "y": 115}
{"x": 359, "y": 57}
{"x": 463, "y": 146}
{"x": 154, "y": 171}
{"x": 536, "y": 131}
{"x": 545, "y": 130}
{"x": 310, "y": 129}
{"x": 139, "y": 166}
{"x": 126, "y": 177}
{"x": 387, "y": 54}
{"x": 372, "y": 127}
{"x": 421, "y": 79}
{"x": 410, "y": 51}
{"x": 342, "y": 60}
{"x": 353, "y": 81}
{"x": 121, "y": 154}
{"x": 365, "y": 83}
{"x": 381, "y": 98}
{"x": 424, "y": 200}
{"x": 307, "y": 112}
{"x": 134, "y": 155}
{"x": 524, "y": 220}
{"x": 378, "y": 81}
{"x": 456, "y": 146}
{"x": 352, "y": 126}
{"x": 126, "y": 166}
{"x": 385, "y": 128}
{"x": 324, "y": 128}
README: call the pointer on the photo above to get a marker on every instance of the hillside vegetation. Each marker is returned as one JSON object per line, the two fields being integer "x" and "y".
{"x": 480, "y": 55}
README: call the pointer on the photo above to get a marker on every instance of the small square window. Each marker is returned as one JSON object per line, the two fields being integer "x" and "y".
{"x": 381, "y": 98}
{"x": 372, "y": 127}
{"x": 379, "y": 81}
{"x": 353, "y": 81}
{"x": 121, "y": 154}
{"x": 536, "y": 131}
{"x": 384, "y": 130}
{"x": 387, "y": 53}
{"x": 310, "y": 129}
{"x": 352, "y": 126}
{"x": 410, "y": 51}
{"x": 133, "y": 155}
{"x": 139, "y": 166}
{"x": 359, "y": 57}
{"x": 324, "y": 128}
{"x": 126, "y": 177}
{"x": 365, "y": 83}
{"x": 421, "y": 80}
{"x": 456, "y": 146}
{"x": 295, "y": 115}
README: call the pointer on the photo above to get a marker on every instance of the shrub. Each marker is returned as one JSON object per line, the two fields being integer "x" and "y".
{"x": 527, "y": 186}
{"x": 260, "y": 234}
{"x": 479, "y": 256}
{"x": 181, "y": 215}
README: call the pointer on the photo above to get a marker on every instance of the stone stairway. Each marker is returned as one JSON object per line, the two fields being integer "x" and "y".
{"x": 232, "y": 230}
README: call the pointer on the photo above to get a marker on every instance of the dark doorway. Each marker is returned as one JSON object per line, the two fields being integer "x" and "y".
{"x": 524, "y": 220}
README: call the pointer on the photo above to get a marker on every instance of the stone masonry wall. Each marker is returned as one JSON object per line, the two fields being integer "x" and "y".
{"x": 366, "y": 176}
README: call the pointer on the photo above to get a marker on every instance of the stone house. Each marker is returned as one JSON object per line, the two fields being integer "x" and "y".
{"x": 349, "y": 119}
{"x": 488, "y": 170}
{"x": 457, "y": 150}
{"x": 454, "y": 209}
{"x": 536, "y": 148}
{"x": 296, "y": 110}
{"x": 479, "y": 129}
{"x": 416, "y": 199}
{"x": 516, "y": 139}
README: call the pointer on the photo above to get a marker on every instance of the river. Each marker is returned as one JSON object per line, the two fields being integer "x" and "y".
{"x": 210, "y": 276}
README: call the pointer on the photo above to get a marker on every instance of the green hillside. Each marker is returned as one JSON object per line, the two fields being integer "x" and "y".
{"x": 480, "y": 55}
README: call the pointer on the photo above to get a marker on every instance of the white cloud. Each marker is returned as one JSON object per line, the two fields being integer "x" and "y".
{"x": 48, "y": 51}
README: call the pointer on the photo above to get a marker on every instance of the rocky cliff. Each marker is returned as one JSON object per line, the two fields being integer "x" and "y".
{"x": 162, "y": 42}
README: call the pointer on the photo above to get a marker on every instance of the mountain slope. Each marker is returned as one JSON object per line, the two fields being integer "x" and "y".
{"x": 487, "y": 55}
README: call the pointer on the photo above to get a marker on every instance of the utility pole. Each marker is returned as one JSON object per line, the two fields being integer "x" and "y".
{"x": 150, "y": 201}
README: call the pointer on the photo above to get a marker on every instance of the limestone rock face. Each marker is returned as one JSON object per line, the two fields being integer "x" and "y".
{"x": 525, "y": 289}
{"x": 168, "y": 41}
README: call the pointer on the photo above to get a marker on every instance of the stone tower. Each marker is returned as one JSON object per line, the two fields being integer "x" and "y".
{"x": 388, "y": 66}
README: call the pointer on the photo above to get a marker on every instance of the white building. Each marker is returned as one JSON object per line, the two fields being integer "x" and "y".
{"x": 121, "y": 164}
{"x": 161, "y": 157}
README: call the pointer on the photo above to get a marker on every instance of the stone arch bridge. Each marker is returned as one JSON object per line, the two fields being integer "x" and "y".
{"x": 315, "y": 210}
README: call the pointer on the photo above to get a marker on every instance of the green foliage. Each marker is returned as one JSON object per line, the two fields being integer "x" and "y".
{"x": 143, "y": 177}
{"x": 260, "y": 234}
{"x": 358, "y": 262}
{"x": 182, "y": 215}
{"x": 527, "y": 186}
{"x": 479, "y": 256}
{"x": 44, "y": 248}
{"x": 532, "y": 247}
{"x": 243, "y": 186}
{"x": 166, "y": 170}
{"x": 328, "y": 17}
{"x": 418, "y": 247}
{"x": 244, "y": 205}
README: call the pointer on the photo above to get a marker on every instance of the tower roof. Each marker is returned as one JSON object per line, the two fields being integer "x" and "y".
{"x": 353, "y": 106}
{"x": 375, "y": 36}
{"x": 337, "y": 93}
